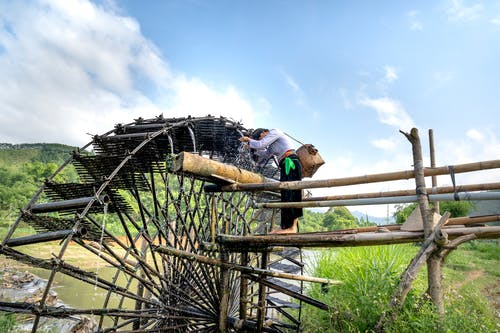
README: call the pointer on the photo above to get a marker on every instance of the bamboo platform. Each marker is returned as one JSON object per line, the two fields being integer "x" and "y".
{"x": 343, "y": 239}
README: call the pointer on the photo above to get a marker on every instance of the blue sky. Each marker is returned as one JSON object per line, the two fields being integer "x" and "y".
{"x": 343, "y": 75}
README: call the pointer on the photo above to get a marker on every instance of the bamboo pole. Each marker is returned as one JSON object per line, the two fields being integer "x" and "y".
{"x": 432, "y": 154}
{"x": 431, "y": 190}
{"x": 223, "y": 290}
{"x": 473, "y": 219}
{"x": 452, "y": 222}
{"x": 245, "y": 269}
{"x": 45, "y": 237}
{"x": 356, "y": 180}
{"x": 281, "y": 289}
{"x": 261, "y": 299}
{"x": 379, "y": 201}
{"x": 205, "y": 167}
{"x": 243, "y": 288}
{"x": 332, "y": 239}
{"x": 67, "y": 204}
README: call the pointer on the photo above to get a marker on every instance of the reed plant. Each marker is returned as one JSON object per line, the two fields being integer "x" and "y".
{"x": 370, "y": 276}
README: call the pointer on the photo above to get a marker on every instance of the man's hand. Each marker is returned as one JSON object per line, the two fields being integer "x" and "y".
{"x": 244, "y": 139}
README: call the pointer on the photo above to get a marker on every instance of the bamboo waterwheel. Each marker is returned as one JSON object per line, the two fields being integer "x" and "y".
{"x": 126, "y": 205}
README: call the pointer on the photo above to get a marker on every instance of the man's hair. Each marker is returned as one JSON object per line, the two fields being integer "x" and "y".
{"x": 257, "y": 132}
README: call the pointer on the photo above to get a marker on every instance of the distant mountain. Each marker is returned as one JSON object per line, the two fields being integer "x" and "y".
{"x": 374, "y": 219}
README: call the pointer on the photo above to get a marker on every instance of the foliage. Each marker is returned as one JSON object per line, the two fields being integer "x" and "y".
{"x": 403, "y": 211}
{"x": 370, "y": 275}
{"x": 7, "y": 322}
{"x": 23, "y": 168}
{"x": 467, "y": 311}
{"x": 311, "y": 221}
{"x": 335, "y": 218}
{"x": 456, "y": 209}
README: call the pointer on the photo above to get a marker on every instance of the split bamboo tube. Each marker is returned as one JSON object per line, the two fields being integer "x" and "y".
{"x": 374, "y": 178}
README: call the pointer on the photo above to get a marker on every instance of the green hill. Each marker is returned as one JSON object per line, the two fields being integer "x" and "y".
{"x": 23, "y": 167}
{"x": 17, "y": 154}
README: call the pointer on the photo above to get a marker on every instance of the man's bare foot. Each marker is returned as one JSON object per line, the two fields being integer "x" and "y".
{"x": 291, "y": 230}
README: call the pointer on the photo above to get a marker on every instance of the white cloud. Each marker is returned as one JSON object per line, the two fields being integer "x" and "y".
{"x": 390, "y": 74}
{"x": 384, "y": 144}
{"x": 475, "y": 135}
{"x": 194, "y": 97}
{"x": 415, "y": 23}
{"x": 442, "y": 78}
{"x": 291, "y": 83}
{"x": 475, "y": 146}
{"x": 389, "y": 112}
{"x": 72, "y": 67}
{"x": 298, "y": 92}
{"x": 495, "y": 20}
{"x": 458, "y": 11}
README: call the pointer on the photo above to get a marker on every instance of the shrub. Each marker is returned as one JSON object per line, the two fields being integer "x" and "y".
{"x": 369, "y": 276}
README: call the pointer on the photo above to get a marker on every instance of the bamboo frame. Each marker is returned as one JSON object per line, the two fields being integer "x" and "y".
{"x": 378, "y": 201}
{"x": 373, "y": 178}
{"x": 333, "y": 239}
{"x": 245, "y": 269}
{"x": 430, "y": 190}
{"x": 163, "y": 256}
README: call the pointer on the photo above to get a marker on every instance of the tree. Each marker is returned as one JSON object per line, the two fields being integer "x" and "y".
{"x": 311, "y": 221}
{"x": 339, "y": 218}
{"x": 456, "y": 209}
{"x": 403, "y": 211}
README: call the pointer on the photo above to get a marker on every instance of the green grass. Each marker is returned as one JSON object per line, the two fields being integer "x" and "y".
{"x": 370, "y": 275}
{"x": 7, "y": 322}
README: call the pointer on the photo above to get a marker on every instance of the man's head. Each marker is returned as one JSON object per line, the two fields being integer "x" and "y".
{"x": 257, "y": 133}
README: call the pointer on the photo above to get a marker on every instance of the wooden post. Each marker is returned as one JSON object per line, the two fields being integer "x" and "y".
{"x": 434, "y": 268}
{"x": 433, "y": 165}
{"x": 261, "y": 308}
{"x": 223, "y": 292}
{"x": 409, "y": 275}
{"x": 243, "y": 287}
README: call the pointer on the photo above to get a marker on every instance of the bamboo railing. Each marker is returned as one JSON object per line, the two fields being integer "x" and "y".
{"x": 373, "y": 178}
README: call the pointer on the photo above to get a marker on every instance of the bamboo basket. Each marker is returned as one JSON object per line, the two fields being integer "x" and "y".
{"x": 310, "y": 159}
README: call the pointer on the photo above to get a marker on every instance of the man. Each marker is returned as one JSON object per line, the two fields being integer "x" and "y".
{"x": 269, "y": 143}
